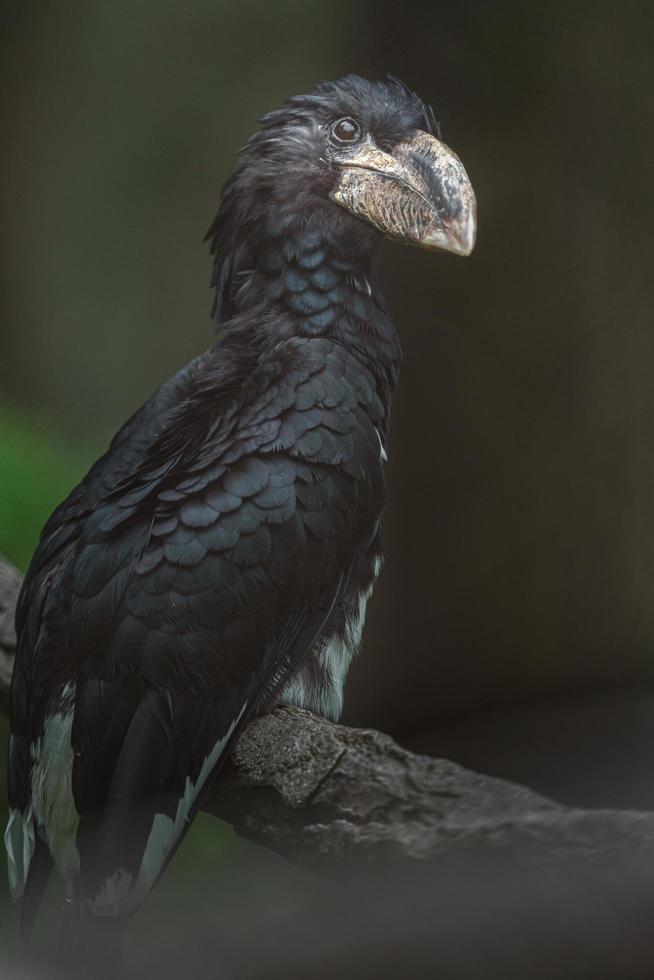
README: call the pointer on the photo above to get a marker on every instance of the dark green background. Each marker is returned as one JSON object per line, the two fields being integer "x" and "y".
{"x": 520, "y": 526}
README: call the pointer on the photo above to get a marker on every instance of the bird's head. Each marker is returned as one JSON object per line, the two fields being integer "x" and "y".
{"x": 373, "y": 149}
{"x": 357, "y": 158}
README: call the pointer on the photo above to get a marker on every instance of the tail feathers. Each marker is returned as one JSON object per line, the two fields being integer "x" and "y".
{"x": 90, "y": 947}
{"x": 20, "y": 842}
{"x": 38, "y": 876}
{"x": 167, "y": 758}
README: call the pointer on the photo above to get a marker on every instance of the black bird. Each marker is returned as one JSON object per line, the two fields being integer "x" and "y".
{"x": 218, "y": 558}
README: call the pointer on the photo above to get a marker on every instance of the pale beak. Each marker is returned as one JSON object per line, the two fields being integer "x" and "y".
{"x": 419, "y": 193}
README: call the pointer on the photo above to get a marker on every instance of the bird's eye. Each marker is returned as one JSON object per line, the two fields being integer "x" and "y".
{"x": 345, "y": 130}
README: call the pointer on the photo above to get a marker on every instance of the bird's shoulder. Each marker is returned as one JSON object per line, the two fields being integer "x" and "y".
{"x": 310, "y": 401}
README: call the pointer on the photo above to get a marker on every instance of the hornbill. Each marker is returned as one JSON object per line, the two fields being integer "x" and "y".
{"x": 217, "y": 559}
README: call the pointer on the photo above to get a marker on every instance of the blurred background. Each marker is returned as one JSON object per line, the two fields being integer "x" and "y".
{"x": 513, "y": 626}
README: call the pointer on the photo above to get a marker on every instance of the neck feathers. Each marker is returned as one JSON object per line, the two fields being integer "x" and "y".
{"x": 313, "y": 277}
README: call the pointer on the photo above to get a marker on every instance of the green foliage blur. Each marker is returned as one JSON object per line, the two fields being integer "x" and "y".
{"x": 36, "y": 473}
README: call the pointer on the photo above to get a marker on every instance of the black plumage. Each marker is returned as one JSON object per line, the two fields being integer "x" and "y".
{"x": 218, "y": 557}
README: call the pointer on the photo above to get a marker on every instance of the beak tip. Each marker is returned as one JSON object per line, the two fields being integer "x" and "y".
{"x": 466, "y": 240}
{"x": 469, "y": 229}
{"x": 458, "y": 236}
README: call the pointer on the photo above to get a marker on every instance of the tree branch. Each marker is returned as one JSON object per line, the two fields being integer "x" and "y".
{"x": 311, "y": 790}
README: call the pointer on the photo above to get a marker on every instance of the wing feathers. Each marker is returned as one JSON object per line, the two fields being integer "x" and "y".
{"x": 195, "y": 567}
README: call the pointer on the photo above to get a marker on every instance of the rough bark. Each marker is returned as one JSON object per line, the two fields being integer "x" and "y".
{"x": 311, "y": 790}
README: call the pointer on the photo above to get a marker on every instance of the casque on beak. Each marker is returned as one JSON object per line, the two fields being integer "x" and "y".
{"x": 419, "y": 193}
